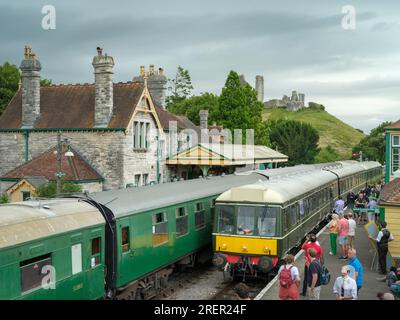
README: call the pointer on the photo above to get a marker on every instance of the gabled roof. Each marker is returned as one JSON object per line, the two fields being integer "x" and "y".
{"x": 390, "y": 193}
{"x": 395, "y": 124}
{"x": 45, "y": 165}
{"x": 71, "y": 106}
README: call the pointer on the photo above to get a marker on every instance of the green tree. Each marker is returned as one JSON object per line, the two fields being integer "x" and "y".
{"x": 373, "y": 145}
{"x": 190, "y": 107}
{"x": 234, "y": 109}
{"x": 48, "y": 190}
{"x": 9, "y": 79}
{"x": 327, "y": 154}
{"x": 298, "y": 140}
{"x": 180, "y": 87}
{"x": 4, "y": 199}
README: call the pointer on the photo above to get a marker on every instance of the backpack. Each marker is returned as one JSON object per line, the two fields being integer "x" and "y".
{"x": 325, "y": 276}
{"x": 285, "y": 277}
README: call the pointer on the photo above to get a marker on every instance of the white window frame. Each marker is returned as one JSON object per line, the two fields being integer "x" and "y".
{"x": 396, "y": 136}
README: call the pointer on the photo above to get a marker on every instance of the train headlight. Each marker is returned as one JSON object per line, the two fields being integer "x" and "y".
{"x": 244, "y": 249}
{"x": 266, "y": 249}
{"x": 224, "y": 246}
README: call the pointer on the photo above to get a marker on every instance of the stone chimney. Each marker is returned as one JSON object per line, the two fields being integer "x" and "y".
{"x": 260, "y": 88}
{"x": 203, "y": 119}
{"x": 30, "y": 83}
{"x": 103, "y": 78}
{"x": 156, "y": 82}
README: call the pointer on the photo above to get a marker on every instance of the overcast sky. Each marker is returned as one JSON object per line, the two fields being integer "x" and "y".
{"x": 295, "y": 45}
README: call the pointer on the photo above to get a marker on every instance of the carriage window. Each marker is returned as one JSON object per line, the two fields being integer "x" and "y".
{"x": 225, "y": 219}
{"x": 212, "y": 211}
{"x": 267, "y": 221}
{"x": 245, "y": 220}
{"x": 33, "y": 271}
{"x": 125, "y": 239}
{"x": 292, "y": 216}
{"x": 160, "y": 228}
{"x": 301, "y": 208}
{"x": 95, "y": 261}
{"x": 199, "y": 216}
{"x": 181, "y": 221}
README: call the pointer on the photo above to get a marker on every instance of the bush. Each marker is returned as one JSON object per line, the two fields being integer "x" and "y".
{"x": 48, "y": 190}
{"x": 315, "y": 106}
{"x": 4, "y": 199}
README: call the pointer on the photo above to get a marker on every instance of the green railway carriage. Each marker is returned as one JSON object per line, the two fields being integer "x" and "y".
{"x": 51, "y": 249}
{"x": 258, "y": 223}
{"x": 155, "y": 228}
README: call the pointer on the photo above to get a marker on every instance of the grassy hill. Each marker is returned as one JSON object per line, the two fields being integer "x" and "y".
{"x": 332, "y": 131}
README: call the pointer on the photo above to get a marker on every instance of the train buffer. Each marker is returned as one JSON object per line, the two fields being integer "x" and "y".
{"x": 365, "y": 253}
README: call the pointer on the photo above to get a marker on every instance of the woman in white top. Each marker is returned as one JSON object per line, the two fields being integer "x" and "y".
{"x": 289, "y": 280}
{"x": 352, "y": 229}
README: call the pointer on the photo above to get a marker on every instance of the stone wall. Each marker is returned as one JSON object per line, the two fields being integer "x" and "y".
{"x": 102, "y": 150}
{"x": 140, "y": 161}
{"x": 92, "y": 187}
{"x": 12, "y": 151}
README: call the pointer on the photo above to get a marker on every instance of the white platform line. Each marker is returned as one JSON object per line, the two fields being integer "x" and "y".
{"x": 275, "y": 279}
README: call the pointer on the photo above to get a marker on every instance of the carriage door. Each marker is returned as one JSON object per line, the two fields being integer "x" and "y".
{"x": 126, "y": 250}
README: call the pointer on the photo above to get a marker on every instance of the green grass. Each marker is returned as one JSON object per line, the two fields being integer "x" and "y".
{"x": 332, "y": 131}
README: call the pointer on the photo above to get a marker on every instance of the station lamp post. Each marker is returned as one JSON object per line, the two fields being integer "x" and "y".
{"x": 59, "y": 174}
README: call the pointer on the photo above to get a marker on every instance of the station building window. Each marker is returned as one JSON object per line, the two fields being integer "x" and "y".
{"x": 160, "y": 228}
{"x": 95, "y": 260}
{"x": 141, "y": 135}
{"x": 125, "y": 239}
{"x": 395, "y": 152}
{"x": 31, "y": 272}
{"x": 199, "y": 216}
{"x": 181, "y": 221}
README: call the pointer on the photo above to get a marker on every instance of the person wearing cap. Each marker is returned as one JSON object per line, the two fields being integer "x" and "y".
{"x": 382, "y": 241}
{"x": 345, "y": 287}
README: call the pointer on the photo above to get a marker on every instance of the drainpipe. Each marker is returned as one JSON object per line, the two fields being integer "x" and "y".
{"x": 158, "y": 159}
{"x": 26, "y": 136}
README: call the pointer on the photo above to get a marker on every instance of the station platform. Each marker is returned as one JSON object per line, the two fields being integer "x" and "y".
{"x": 365, "y": 253}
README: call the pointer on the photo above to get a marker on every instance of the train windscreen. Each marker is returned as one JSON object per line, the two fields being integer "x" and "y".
{"x": 247, "y": 220}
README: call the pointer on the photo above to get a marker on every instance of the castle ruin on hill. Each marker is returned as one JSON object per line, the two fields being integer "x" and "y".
{"x": 293, "y": 103}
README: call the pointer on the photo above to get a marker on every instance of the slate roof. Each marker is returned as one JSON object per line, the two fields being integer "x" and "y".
{"x": 391, "y": 192}
{"x": 36, "y": 181}
{"x": 75, "y": 168}
{"x": 68, "y": 106}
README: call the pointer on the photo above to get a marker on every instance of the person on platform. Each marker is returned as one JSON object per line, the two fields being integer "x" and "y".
{"x": 289, "y": 280}
{"x": 382, "y": 241}
{"x": 358, "y": 268}
{"x": 394, "y": 282}
{"x": 311, "y": 242}
{"x": 314, "y": 275}
{"x": 361, "y": 203}
{"x": 352, "y": 229}
{"x": 385, "y": 296}
{"x": 372, "y": 205}
{"x": 339, "y": 205}
{"x": 345, "y": 287}
{"x": 351, "y": 197}
{"x": 333, "y": 228}
{"x": 343, "y": 235}
{"x": 242, "y": 291}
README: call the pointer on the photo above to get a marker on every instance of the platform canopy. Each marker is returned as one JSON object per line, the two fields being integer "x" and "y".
{"x": 216, "y": 154}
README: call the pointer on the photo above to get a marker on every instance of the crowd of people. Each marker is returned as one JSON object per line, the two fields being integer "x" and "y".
{"x": 342, "y": 232}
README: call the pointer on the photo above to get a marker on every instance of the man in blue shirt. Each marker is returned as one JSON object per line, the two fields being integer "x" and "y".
{"x": 358, "y": 269}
